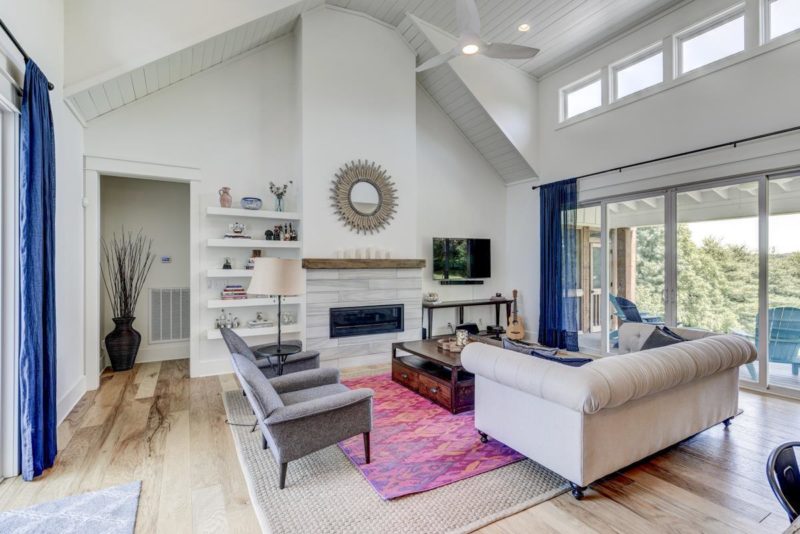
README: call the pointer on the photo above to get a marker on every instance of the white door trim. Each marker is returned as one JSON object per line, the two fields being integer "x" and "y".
{"x": 94, "y": 168}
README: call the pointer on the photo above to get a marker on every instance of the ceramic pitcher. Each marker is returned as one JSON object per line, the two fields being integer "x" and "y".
{"x": 225, "y": 198}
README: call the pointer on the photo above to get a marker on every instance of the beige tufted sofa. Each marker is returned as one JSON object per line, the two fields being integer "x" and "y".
{"x": 587, "y": 422}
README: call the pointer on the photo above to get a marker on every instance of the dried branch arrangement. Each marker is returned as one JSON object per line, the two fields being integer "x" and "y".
{"x": 370, "y": 172}
{"x": 126, "y": 263}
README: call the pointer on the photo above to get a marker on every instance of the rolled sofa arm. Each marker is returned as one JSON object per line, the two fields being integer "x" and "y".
{"x": 611, "y": 381}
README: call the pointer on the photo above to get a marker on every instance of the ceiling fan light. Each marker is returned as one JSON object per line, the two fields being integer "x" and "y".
{"x": 524, "y": 27}
{"x": 470, "y": 49}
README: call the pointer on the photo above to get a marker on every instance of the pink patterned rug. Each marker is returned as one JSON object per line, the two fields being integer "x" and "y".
{"x": 417, "y": 445}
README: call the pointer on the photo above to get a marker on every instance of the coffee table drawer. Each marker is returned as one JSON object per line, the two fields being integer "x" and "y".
{"x": 405, "y": 376}
{"x": 435, "y": 391}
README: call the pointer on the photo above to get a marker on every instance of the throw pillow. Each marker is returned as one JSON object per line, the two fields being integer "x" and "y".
{"x": 673, "y": 334}
{"x": 659, "y": 338}
{"x": 543, "y": 353}
{"x": 524, "y": 348}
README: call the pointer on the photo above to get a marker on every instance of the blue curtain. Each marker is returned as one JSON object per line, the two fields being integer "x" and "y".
{"x": 558, "y": 306}
{"x": 37, "y": 351}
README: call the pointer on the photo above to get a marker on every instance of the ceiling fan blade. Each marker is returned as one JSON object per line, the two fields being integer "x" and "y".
{"x": 508, "y": 51}
{"x": 469, "y": 21}
{"x": 435, "y": 61}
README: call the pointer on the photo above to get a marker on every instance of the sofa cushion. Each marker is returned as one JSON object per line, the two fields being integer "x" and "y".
{"x": 661, "y": 337}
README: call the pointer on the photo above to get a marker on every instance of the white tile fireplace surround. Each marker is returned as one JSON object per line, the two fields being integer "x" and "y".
{"x": 341, "y": 288}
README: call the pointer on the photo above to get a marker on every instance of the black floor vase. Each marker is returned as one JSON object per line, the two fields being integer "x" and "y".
{"x": 123, "y": 343}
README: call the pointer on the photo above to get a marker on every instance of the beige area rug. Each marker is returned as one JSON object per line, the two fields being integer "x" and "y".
{"x": 326, "y": 494}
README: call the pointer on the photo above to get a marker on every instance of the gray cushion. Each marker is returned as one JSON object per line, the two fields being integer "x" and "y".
{"x": 236, "y": 344}
{"x": 293, "y": 397}
{"x": 260, "y": 393}
{"x": 659, "y": 338}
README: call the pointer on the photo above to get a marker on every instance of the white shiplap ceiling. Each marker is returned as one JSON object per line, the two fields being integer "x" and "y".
{"x": 562, "y": 29}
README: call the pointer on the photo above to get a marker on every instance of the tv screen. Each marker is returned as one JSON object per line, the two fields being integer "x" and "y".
{"x": 461, "y": 259}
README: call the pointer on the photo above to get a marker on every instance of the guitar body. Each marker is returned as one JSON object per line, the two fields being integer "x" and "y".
{"x": 516, "y": 328}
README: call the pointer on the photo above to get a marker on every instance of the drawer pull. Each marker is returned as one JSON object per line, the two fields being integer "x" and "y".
{"x": 404, "y": 376}
{"x": 434, "y": 390}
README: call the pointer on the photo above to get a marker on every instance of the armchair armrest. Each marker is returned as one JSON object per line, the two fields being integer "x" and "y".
{"x": 305, "y": 380}
{"x": 319, "y": 406}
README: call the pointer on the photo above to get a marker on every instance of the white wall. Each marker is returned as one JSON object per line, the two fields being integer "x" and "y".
{"x": 460, "y": 195}
{"x": 522, "y": 252}
{"x": 135, "y": 33}
{"x": 748, "y": 98}
{"x": 358, "y": 101}
{"x": 237, "y": 123}
{"x": 39, "y": 26}
{"x": 160, "y": 210}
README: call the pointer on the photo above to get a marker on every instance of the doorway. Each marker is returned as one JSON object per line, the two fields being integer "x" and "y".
{"x": 156, "y": 211}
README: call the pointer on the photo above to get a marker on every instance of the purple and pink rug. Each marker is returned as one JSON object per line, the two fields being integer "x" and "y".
{"x": 417, "y": 445}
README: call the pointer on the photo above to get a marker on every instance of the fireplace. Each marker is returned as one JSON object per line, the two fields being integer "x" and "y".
{"x": 366, "y": 320}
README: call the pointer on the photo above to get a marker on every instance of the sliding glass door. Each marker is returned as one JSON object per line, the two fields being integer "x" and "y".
{"x": 717, "y": 260}
{"x": 783, "y": 313}
{"x": 635, "y": 253}
{"x": 722, "y": 256}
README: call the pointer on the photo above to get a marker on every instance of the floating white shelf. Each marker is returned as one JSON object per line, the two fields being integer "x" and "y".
{"x": 254, "y": 214}
{"x": 252, "y": 243}
{"x": 251, "y": 303}
{"x": 253, "y": 332}
{"x": 229, "y": 273}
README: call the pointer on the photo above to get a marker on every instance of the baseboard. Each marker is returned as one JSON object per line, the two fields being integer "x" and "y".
{"x": 158, "y": 355}
{"x": 68, "y": 401}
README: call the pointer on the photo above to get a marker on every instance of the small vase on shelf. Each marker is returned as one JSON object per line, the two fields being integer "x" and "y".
{"x": 225, "y": 198}
{"x": 278, "y": 203}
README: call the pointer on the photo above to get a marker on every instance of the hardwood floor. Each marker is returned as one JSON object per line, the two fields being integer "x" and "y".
{"x": 155, "y": 424}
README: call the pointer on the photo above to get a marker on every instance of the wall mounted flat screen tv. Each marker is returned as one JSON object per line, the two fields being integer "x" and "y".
{"x": 461, "y": 259}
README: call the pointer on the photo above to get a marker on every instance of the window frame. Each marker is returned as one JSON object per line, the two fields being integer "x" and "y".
{"x": 577, "y": 85}
{"x": 704, "y": 26}
{"x": 633, "y": 59}
{"x": 766, "y": 24}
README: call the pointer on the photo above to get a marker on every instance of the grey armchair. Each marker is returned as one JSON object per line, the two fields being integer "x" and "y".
{"x": 304, "y": 412}
{"x": 302, "y": 361}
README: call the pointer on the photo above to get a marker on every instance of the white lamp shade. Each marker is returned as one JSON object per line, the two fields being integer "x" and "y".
{"x": 276, "y": 276}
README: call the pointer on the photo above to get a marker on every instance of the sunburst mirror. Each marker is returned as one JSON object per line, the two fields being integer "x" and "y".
{"x": 364, "y": 196}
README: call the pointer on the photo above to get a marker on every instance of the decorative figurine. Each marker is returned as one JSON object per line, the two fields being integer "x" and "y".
{"x": 279, "y": 192}
{"x": 220, "y": 321}
{"x": 268, "y": 235}
{"x": 225, "y": 198}
{"x": 227, "y": 265}
{"x": 259, "y": 321}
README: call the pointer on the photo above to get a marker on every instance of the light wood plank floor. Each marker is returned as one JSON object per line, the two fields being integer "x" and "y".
{"x": 155, "y": 424}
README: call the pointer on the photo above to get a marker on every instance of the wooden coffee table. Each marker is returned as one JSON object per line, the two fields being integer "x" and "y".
{"x": 435, "y": 374}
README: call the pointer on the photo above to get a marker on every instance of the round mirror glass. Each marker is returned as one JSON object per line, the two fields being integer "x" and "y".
{"x": 364, "y": 198}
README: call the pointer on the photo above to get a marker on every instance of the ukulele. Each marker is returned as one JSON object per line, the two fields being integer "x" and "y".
{"x": 516, "y": 330}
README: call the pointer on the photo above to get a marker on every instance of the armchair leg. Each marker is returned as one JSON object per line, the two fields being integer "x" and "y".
{"x": 366, "y": 446}
{"x": 577, "y": 491}
{"x": 263, "y": 442}
{"x": 284, "y": 465}
{"x": 484, "y": 437}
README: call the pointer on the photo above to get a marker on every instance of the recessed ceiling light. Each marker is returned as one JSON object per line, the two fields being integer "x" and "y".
{"x": 524, "y": 27}
{"x": 470, "y": 49}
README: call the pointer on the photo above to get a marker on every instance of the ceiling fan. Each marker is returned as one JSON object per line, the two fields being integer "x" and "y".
{"x": 470, "y": 42}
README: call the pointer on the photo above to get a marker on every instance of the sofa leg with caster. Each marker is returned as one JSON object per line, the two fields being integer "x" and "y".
{"x": 577, "y": 491}
{"x": 484, "y": 437}
{"x": 727, "y": 422}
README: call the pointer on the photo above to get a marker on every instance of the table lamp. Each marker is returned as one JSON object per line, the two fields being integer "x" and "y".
{"x": 278, "y": 277}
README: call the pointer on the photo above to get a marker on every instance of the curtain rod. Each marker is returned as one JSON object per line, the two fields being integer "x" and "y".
{"x": 25, "y": 55}
{"x": 733, "y": 144}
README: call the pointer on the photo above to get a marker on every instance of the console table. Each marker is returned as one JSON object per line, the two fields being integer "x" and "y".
{"x": 460, "y": 305}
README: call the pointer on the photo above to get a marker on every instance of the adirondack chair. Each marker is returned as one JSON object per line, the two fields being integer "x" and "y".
{"x": 627, "y": 312}
{"x": 784, "y": 338}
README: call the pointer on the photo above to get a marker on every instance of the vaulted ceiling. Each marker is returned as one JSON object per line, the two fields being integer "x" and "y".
{"x": 562, "y": 29}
